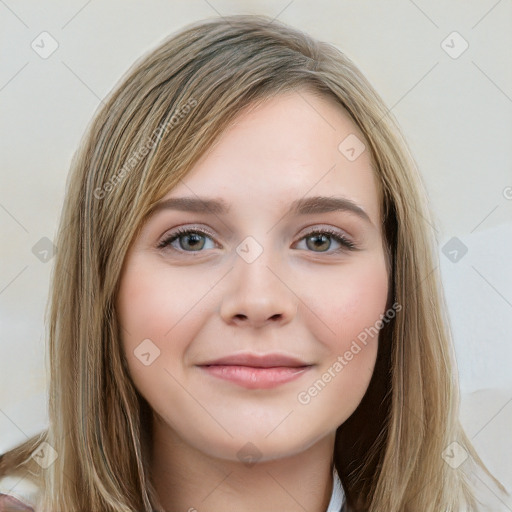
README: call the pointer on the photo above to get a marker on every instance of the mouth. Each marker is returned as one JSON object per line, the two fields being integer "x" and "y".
{"x": 253, "y": 371}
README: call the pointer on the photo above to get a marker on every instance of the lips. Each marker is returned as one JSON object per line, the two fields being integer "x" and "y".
{"x": 256, "y": 371}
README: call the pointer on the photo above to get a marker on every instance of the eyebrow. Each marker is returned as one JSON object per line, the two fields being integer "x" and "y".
{"x": 304, "y": 206}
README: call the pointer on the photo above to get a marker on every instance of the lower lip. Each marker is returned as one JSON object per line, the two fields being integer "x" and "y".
{"x": 256, "y": 378}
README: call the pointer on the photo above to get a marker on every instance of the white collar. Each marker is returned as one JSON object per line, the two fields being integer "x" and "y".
{"x": 338, "y": 495}
{"x": 23, "y": 489}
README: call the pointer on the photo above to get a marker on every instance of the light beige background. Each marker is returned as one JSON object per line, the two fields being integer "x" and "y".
{"x": 456, "y": 114}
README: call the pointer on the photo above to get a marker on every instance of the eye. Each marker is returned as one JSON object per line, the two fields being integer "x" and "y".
{"x": 193, "y": 240}
{"x": 320, "y": 239}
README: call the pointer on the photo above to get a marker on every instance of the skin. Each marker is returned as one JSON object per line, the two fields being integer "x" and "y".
{"x": 200, "y": 302}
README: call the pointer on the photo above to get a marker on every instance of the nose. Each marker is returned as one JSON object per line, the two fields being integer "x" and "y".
{"x": 258, "y": 294}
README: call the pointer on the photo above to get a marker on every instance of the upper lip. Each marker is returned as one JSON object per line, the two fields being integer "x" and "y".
{"x": 258, "y": 361}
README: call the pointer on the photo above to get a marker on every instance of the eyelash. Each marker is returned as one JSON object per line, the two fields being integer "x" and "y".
{"x": 347, "y": 245}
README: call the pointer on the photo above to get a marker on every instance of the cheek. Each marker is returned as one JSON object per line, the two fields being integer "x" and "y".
{"x": 352, "y": 300}
{"x": 141, "y": 304}
{"x": 144, "y": 310}
{"x": 154, "y": 302}
{"x": 352, "y": 307}
{"x": 356, "y": 303}
{"x": 149, "y": 308}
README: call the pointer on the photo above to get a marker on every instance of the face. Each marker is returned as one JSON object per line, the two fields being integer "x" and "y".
{"x": 243, "y": 321}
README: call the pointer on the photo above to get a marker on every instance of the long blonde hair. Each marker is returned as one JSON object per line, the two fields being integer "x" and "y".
{"x": 163, "y": 115}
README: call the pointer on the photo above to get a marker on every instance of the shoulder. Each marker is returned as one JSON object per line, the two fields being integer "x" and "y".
{"x": 18, "y": 494}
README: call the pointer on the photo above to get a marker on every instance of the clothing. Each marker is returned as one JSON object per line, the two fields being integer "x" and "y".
{"x": 337, "y": 503}
{"x": 18, "y": 494}
{"x": 21, "y": 495}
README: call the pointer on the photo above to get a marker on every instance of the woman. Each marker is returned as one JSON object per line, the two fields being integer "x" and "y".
{"x": 265, "y": 371}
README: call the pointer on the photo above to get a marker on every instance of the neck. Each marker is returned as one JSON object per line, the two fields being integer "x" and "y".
{"x": 189, "y": 480}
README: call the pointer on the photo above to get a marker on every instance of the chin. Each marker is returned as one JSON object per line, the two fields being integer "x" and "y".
{"x": 257, "y": 445}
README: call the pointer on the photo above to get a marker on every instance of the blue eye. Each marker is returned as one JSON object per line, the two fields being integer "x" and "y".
{"x": 194, "y": 240}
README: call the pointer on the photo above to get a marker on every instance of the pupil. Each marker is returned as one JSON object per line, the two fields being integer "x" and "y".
{"x": 196, "y": 238}
{"x": 322, "y": 239}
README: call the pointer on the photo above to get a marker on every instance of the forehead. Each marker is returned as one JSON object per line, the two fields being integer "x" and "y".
{"x": 292, "y": 145}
